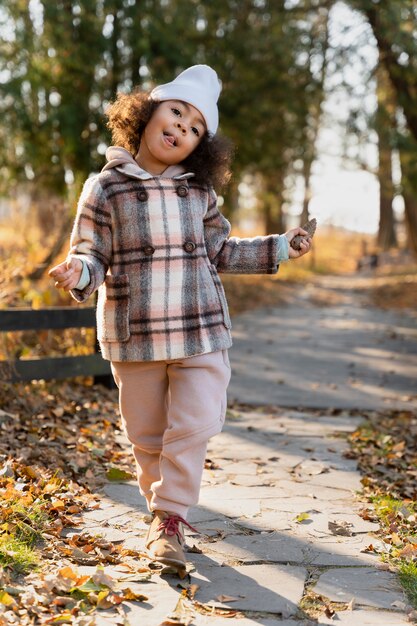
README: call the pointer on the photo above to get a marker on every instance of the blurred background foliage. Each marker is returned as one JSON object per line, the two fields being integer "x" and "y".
{"x": 62, "y": 62}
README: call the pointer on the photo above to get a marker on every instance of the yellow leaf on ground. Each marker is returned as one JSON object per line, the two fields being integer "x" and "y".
{"x": 6, "y": 598}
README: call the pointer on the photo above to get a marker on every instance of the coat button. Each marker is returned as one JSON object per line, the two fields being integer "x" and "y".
{"x": 148, "y": 250}
{"x": 189, "y": 246}
{"x": 143, "y": 195}
{"x": 182, "y": 191}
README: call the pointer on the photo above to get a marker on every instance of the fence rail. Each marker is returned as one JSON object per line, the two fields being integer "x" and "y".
{"x": 50, "y": 368}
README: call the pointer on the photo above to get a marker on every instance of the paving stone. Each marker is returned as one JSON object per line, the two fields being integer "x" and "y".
{"x": 343, "y": 553}
{"x": 108, "y": 533}
{"x": 132, "y": 521}
{"x": 315, "y": 526}
{"x": 135, "y": 542}
{"x": 320, "y": 425}
{"x": 288, "y": 452}
{"x": 308, "y": 489}
{"x": 106, "y": 514}
{"x": 215, "y": 620}
{"x": 201, "y": 514}
{"x": 267, "y": 520}
{"x": 308, "y": 503}
{"x": 235, "y": 492}
{"x": 126, "y": 493}
{"x": 274, "y": 547}
{"x": 268, "y": 588}
{"x": 229, "y": 507}
{"x": 264, "y": 480}
{"x": 362, "y": 617}
{"x": 368, "y": 586}
{"x": 162, "y": 599}
{"x": 338, "y": 479}
{"x": 238, "y": 467}
{"x": 282, "y": 547}
{"x": 213, "y": 528}
{"x": 318, "y": 524}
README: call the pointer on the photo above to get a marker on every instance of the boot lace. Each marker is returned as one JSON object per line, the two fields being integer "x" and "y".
{"x": 171, "y": 525}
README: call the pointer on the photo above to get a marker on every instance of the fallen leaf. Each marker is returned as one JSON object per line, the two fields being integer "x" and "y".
{"x": 6, "y": 599}
{"x": 310, "y": 467}
{"x": 340, "y": 528}
{"x": 183, "y": 614}
{"x": 209, "y": 464}
{"x": 224, "y": 599}
{"x": 128, "y": 594}
{"x": 194, "y": 549}
{"x": 106, "y": 599}
{"x": 115, "y": 474}
{"x": 192, "y": 590}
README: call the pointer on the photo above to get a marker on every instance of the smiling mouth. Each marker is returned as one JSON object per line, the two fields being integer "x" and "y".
{"x": 170, "y": 139}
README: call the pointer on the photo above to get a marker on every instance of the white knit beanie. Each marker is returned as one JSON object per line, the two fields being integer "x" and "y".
{"x": 199, "y": 86}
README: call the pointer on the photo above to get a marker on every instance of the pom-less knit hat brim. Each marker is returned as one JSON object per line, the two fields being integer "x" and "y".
{"x": 199, "y": 86}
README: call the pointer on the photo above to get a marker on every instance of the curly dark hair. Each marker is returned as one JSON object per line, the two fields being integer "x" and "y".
{"x": 127, "y": 117}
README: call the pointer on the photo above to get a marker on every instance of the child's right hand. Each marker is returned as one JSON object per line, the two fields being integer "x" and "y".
{"x": 67, "y": 274}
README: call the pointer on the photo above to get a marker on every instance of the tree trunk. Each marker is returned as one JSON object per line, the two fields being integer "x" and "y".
{"x": 231, "y": 199}
{"x": 410, "y": 206}
{"x": 272, "y": 208}
{"x": 311, "y": 131}
{"x": 399, "y": 74}
{"x": 62, "y": 237}
{"x": 409, "y": 191}
{"x": 304, "y": 217}
{"x": 385, "y": 124}
{"x": 387, "y": 237}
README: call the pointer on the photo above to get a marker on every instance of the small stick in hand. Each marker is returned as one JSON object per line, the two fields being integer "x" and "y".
{"x": 310, "y": 227}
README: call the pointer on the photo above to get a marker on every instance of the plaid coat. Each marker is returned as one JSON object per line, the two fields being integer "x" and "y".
{"x": 153, "y": 247}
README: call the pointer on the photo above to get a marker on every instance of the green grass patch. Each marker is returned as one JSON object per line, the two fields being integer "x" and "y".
{"x": 20, "y": 532}
{"x": 388, "y": 508}
{"x": 17, "y": 555}
{"x": 407, "y": 572}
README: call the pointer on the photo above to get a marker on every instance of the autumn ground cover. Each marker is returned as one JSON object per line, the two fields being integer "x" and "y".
{"x": 59, "y": 442}
{"x": 385, "y": 447}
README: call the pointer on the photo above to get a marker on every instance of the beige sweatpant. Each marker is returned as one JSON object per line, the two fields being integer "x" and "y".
{"x": 169, "y": 411}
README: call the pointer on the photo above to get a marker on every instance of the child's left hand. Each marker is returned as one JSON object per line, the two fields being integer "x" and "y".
{"x": 305, "y": 244}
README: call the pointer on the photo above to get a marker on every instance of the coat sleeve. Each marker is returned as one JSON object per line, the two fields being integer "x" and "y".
{"x": 232, "y": 255}
{"x": 91, "y": 237}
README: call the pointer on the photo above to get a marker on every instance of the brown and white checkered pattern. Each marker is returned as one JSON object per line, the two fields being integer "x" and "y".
{"x": 154, "y": 248}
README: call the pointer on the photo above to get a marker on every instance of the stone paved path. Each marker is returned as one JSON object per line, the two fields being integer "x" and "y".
{"x": 269, "y": 467}
{"x": 343, "y": 355}
{"x": 278, "y": 514}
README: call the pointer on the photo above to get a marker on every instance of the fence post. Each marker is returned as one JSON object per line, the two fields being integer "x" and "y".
{"x": 106, "y": 380}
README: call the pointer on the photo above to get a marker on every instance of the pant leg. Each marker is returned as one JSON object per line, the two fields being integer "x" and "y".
{"x": 143, "y": 399}
{"x": 197, "y": 408}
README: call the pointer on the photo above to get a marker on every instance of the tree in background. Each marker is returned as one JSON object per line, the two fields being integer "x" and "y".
{"x": 61, "y": 62}
{"x": 75, "y": 55}
{"x": 394, "y": 25}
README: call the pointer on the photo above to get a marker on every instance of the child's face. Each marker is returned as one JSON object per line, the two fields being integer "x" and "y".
{"x": 173, "y": 132}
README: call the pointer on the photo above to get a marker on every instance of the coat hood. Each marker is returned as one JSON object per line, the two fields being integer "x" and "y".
{"x": 121, "y": 160}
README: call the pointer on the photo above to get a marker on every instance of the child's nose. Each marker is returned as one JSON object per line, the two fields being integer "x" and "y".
{"x": 181, "y": 128}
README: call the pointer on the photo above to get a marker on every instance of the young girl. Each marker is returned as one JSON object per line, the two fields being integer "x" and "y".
{"x": 149, "y": 236}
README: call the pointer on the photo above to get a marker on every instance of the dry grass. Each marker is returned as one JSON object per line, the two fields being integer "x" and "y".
{"x": 23, "y": 245}
{"x": 334, "y": 252}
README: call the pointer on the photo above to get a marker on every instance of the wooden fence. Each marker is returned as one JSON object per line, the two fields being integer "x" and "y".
{"x": 49, "y": 368}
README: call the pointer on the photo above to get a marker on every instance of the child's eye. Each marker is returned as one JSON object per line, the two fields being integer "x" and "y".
{"x": 176, "y": 111}
{"x": 196, "y": 131}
